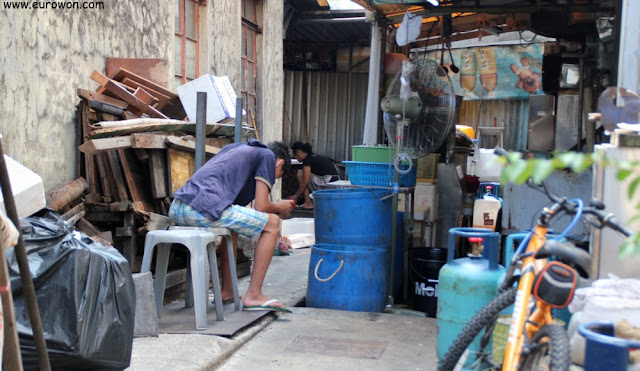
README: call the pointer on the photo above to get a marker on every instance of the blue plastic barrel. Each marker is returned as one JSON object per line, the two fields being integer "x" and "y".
{"x": 353, "y": 216}
{"x": 603, "y": 350}
{"x": 348, "y": 277}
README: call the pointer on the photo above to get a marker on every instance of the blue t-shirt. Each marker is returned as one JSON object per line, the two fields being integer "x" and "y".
{"x": 229, "y": 178}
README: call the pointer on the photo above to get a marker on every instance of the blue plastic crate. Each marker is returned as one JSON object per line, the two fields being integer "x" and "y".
{"x": 378, "y": 174}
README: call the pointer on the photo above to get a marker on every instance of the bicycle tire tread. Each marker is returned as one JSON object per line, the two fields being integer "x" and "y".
{"x": 560, "y": 349}
{"x": 473, "y": 327}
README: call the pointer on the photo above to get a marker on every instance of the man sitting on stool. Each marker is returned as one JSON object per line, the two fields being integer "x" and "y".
{"x": 216, "y": 195}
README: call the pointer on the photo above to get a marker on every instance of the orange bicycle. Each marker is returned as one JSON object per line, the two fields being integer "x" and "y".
{"x": 534, "y": 341}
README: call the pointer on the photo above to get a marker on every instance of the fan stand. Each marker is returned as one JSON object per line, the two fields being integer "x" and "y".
{"x": 390, "y": 306}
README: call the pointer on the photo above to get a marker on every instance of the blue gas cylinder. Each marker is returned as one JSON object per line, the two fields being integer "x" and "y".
{"x": 489, "y": 190}
{"x": 465, "y": 285}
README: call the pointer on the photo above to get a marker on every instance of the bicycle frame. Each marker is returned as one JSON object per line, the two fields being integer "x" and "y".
{"x": 523, "y": 324}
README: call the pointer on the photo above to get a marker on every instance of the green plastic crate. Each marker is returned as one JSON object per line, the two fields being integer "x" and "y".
{"x": 373, "y": 154}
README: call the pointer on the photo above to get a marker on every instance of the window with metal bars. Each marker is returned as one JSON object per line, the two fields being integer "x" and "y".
{"x": 250, "y": 31}
{"x": 186, "y": 46}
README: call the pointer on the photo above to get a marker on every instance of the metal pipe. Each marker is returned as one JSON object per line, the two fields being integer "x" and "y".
{"x": 347, "y": 137}
{"x": 201, "y": 121}
{"x": 238, "y": 133}
{"x": 332, "y": 20}
{"x": 580, "y": 105}
{"x": 25, "y": 275}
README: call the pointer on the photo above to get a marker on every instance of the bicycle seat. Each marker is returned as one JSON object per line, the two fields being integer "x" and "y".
{"x": 568, "y": 253}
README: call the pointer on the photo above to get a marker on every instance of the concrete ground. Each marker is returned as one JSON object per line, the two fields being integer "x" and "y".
{"x": 308, "y": 338}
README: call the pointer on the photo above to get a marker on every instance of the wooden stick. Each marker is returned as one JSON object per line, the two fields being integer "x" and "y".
{"x": 253, "y": 122}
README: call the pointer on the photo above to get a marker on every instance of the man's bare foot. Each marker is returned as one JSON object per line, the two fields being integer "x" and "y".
{"x": 228, "y": 296}
{"x": 260, "y": 300}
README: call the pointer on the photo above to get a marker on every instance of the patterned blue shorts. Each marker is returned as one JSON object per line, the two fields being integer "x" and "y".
{"x": 242, "y": 220}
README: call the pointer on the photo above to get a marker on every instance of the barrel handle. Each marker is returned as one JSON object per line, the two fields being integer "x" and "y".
{"x": 315, "y": 273}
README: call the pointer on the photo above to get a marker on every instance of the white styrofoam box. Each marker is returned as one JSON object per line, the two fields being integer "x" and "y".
{"x": 221, "y": 98}
{"x": 27, "y": 189}
{"x": 297, "y": 225}
{"x": 489, "y": 168}
{"x": 425, "y": 201}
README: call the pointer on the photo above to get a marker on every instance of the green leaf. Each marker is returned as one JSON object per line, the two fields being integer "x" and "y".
{"x": 632, "y": 187}
{"x": 541, "y": 170}
{"x": 633, "y": 219}
{"x": 623, "y": 174}
{"x": 516, "y": 171}
{"x": 629, "y": 247}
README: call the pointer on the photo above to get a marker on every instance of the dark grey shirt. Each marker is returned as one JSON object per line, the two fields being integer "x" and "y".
{"x": 229, "y": 178}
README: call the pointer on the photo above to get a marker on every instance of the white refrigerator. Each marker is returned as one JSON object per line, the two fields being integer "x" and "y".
{"x": 614, "y": 194}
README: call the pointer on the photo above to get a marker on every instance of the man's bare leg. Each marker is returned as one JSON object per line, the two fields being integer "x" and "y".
{"x": 308, "y": 203}
{"x": 227, "y": 287}
{"x": 261, "y": 260}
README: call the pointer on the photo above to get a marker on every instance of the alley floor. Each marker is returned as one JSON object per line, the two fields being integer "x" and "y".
{"x": 309, "y": 338}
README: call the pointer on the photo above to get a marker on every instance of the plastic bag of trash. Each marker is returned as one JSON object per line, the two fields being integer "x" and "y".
{"x": 85, "y": 294}
{"x": 608, "y": 299}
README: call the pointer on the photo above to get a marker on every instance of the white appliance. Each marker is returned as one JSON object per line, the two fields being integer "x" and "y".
{"x": 613, "y": 193}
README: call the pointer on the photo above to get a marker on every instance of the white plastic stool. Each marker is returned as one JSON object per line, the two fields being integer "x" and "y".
{"x": 223, "y": 232}
{"x": 201, "y": 245}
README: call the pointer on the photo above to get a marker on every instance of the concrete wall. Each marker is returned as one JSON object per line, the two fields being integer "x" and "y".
{"x": 48, "y": 54}
{"x": 271, "y": 75}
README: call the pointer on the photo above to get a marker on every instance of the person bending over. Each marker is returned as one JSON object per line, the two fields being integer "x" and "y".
{"x": 216, "y": 196}
{"x": 316, "y": 172}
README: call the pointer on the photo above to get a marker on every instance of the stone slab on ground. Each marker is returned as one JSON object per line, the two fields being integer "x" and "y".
{"x": 322, "y": 339}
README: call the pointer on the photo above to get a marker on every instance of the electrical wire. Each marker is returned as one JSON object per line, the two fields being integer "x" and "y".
{"x": 575, "y": 219}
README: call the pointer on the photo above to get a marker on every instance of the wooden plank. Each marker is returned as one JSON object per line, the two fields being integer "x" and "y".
{"x": 62, "y": 195}
{"x": 105, "y": 108}
{"x": 224, "y": 130}
{"x": 120, "y": 206}
{"x": 104, "y": 175}
{"x": 93, "y": 146}
{"x": 136, "y": 180}
{"x": 161, "y": 98}
{"x": 92, "y": 95}
{"x": 118, "y": 178}
{"x": 145, "y": 96}
{"x": 148, "y": 141}
{"x": 158, "y": 173}
{"x": 84, "y": 226}
{"x": 129, "y": 234}
{"x": 181, "y": 167}
{"x": 189, "y": 145}
{"x": 103, "y": 217}
{"x": 74, "y": 211}
{"x": 90, "y": 167}
{"x": 125, "y": 95}
{"x": 122, "y": 73}
{"x": 151, "y": 69}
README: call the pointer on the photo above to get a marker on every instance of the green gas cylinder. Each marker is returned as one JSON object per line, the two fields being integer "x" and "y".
{"x": 466, "y": 285}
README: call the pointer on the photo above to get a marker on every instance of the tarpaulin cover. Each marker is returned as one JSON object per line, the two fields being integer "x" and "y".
{"x": 85, "y": 294}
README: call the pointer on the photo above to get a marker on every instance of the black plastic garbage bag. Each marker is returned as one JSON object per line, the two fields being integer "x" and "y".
{"x": 85, "y": 294}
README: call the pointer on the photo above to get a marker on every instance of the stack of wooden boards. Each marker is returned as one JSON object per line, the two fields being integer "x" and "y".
{"x": 135, "y": 151}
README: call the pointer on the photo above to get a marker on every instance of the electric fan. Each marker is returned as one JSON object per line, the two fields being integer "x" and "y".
{"x": 418, "y": 113}
{"x": 419, "y": 108}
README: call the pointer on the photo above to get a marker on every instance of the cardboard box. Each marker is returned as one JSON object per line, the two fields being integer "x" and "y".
{"x": 221, "y": 98}
{"x": 27, "y": 189}
{"x": 425, "y": 200}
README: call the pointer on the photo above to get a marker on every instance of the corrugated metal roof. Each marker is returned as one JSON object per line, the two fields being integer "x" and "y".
{"x": 324, "y": 113}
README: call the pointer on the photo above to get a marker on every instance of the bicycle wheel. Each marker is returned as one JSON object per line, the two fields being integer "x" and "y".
{"x": 549, "y": 350}
{"x": 486, "y": 319}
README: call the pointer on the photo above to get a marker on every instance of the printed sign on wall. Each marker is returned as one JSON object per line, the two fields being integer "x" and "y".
{"x": 505, "y": 72}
